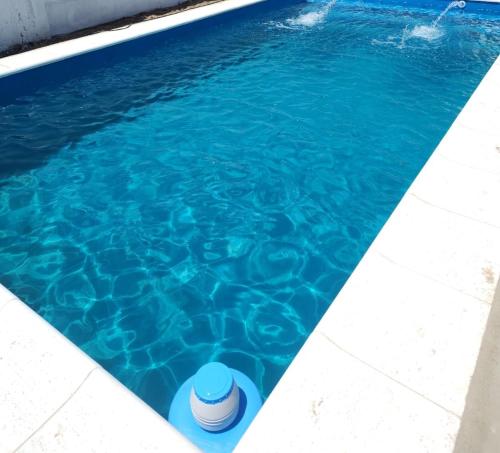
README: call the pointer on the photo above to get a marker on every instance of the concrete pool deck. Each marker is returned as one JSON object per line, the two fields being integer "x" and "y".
{"x": 54, "y": 398}
{"x": 388, "y": 367}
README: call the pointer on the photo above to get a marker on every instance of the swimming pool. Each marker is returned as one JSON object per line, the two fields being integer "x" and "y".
{"x": 203, "y": 194}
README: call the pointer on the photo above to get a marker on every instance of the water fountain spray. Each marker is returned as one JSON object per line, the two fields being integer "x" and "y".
{"x": 430, "y": 32}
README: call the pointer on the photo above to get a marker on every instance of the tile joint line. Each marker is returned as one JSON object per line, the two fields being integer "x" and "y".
{"x": 387, "y": 376}
{"x": 7, "y": 302}
{"x": 72, "y": 394}
{"x": 473, "y": 219}
{"x": 468, "y": 166}
{"x": 428, "y": 277}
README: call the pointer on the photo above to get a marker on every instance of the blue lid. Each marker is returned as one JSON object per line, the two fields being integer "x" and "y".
{"x": 213, "y": 383}
{"x": 181, "y": 416}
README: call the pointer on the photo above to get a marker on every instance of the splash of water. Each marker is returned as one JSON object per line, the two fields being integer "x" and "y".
{"x": 312, "y": 18}
{"x": 429, "y": 32}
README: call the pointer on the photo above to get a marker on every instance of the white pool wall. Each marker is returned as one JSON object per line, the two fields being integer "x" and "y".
{"x": 24, "y": 21}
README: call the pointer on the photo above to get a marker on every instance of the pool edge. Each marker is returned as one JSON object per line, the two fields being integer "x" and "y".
{"x": 56, "y": 398}
{"x": 321, "y": 338}
{"x": 389, "y": 366}
{"x": 53, "y": 53}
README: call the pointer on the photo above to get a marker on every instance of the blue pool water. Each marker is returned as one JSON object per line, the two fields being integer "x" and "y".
{"x": 204, "y": 194}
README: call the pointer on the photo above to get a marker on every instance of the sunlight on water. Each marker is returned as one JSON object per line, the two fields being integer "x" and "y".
{"x": 204, "y": 195}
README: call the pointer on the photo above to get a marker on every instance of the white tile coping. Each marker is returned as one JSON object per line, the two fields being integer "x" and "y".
{"x": 66, "y": 49}
{"x": 389, "y": 365}
{"x": 54, "y": 398}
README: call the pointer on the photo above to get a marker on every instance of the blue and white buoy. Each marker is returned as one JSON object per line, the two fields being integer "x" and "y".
{"x": 214, "y": 407}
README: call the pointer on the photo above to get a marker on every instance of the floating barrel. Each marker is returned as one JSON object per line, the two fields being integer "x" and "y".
{"x": 214, "y": 407}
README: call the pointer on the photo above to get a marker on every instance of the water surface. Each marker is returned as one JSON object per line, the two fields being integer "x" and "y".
{"x": 206, "y": 198}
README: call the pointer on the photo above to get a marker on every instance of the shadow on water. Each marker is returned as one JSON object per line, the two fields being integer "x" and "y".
{"x": 78, "y": 96}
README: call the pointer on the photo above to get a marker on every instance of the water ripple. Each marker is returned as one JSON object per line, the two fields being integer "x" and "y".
{"x": 206, "y": 198}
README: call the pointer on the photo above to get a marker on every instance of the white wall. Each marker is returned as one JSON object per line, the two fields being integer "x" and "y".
{"x": 23, "y": 21}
